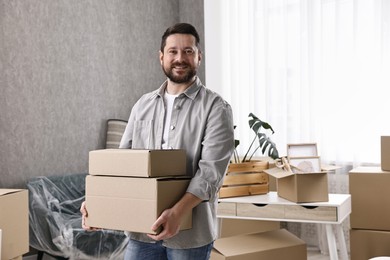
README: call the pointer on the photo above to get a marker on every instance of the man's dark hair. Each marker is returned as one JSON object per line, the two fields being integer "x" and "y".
{"x": 183, "y": 28}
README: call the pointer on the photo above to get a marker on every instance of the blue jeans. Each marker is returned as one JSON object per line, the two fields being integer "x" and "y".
{"x": 137, "y": 250}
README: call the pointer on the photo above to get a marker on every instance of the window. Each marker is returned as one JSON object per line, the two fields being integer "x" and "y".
{"x": 317, "y": 71}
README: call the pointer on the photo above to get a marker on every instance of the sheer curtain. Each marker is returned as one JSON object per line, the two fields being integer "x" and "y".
{"x": 316, "y": 70}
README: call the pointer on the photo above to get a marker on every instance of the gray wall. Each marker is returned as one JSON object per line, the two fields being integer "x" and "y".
{"x": 66, "y": 66}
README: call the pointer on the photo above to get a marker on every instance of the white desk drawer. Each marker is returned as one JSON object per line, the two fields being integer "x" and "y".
{"x": 321, "y": 213}
{"x": 260, "y": 210}
{"x": 227, "y": 209}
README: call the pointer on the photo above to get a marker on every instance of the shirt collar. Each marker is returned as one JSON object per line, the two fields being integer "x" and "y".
{"x": 190, "y": 92}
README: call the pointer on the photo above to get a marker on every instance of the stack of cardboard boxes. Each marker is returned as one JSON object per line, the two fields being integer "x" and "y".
{"x": 370, "y": 217}
{"x": 14, "y": 230}
{"x": 128, "y": 189}
{"x": 253, "y": 239}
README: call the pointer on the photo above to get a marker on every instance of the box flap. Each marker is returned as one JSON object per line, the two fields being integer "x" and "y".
{"x": 328, "y": 168}
{"x": 8, "y": 191}
{"x": 250, "y": 243}
{"x": 278, "y": 173}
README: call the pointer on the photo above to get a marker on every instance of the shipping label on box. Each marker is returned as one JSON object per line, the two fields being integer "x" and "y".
{"x": 137, "y": 163}
{"x": 301, "y": 187}
{"x": 14, "y": 222}
{"x": 132, "y": 204}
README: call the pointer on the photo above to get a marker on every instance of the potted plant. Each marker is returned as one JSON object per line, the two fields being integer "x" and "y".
{"x": 245, "y": 176}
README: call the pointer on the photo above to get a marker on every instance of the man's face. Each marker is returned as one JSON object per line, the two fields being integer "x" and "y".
{"x": 181, "y": 58}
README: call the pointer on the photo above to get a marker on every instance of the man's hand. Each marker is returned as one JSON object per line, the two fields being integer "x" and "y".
{"x": 84, "y": 212}
{"x": 170, "y": 219}
{"x": 170, "y": 224}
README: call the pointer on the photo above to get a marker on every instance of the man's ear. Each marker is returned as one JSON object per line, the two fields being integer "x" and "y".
{"x": 199, "y": 57}
{"x": 161, "y": 56}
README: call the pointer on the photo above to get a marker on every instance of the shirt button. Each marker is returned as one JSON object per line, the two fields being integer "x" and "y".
{"x": 177, "y": 107}
{"x": 172, "y": 127}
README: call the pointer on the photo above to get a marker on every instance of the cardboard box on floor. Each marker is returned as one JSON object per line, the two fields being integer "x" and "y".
{"x": 132, "y": 204}
{"x": 370, "y": 198}
{"x": 367, "y": 244}
{"x": 301, "y": 187}
{"x": 276, "y": 245}
{"x": 14, "y": 223}
{"x": 137, "y": 163}
{"x": 232, "y": 227}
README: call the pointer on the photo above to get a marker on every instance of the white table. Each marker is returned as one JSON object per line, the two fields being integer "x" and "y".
{"x": 274, "y": 208}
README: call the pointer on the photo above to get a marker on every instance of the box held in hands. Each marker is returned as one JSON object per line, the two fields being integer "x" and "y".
{"x": 132, "y": 204}
{"x": 137, "y": 163}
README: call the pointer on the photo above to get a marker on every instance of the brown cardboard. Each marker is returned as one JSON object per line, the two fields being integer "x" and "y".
{"x": 276, "y": 245}
{"x": 232, "y": 227}
{"x": 14, "y": 222}
{"x": 131, "y": 204}
{"x": 137, "y": 163}
{"x": 367, "y": 244}
{"x": 370, "y": 198}
{"x": 301, "y": 187}
{"x": 385, "y": 153}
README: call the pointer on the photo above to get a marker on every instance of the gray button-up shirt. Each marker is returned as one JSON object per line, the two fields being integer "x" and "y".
{"x": 202, "y": 124}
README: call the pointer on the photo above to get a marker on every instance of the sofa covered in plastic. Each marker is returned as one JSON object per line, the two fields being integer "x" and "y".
{"x": 55, "y": 221}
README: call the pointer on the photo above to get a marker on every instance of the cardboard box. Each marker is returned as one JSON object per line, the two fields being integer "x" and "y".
{"x": 301, "y": 187}
{"x": 132, "y": 204}
{"x": 232, "y": 226}
{"x": 385, "y": 153}
{"x": 137, "y": 163}
{"x": 14, "y": 223}
{"x": 366, "y": 244}
{"x": 370, "y": 198}
{"x": 276, "y": 245}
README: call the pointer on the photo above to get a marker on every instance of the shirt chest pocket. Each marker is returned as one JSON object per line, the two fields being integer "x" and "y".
{"x": 143, "y": 135}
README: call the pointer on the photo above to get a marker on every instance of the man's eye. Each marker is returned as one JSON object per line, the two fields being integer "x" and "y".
{"x": 189, "y": 52}
{"x": 172, "y": 52}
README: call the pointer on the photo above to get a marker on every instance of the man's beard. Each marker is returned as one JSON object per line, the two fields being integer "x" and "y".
{"x": 187, "y": 77}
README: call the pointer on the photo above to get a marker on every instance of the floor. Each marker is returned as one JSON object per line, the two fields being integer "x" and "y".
{"x": 312, "y": 254}
{"x": 315, "y": 254}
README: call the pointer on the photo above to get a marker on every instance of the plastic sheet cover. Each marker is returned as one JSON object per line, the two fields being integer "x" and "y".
{"x": 55, "y": 221}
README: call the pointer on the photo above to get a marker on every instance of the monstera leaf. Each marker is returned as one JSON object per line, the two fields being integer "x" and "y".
{"x": 264, "y": 142}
